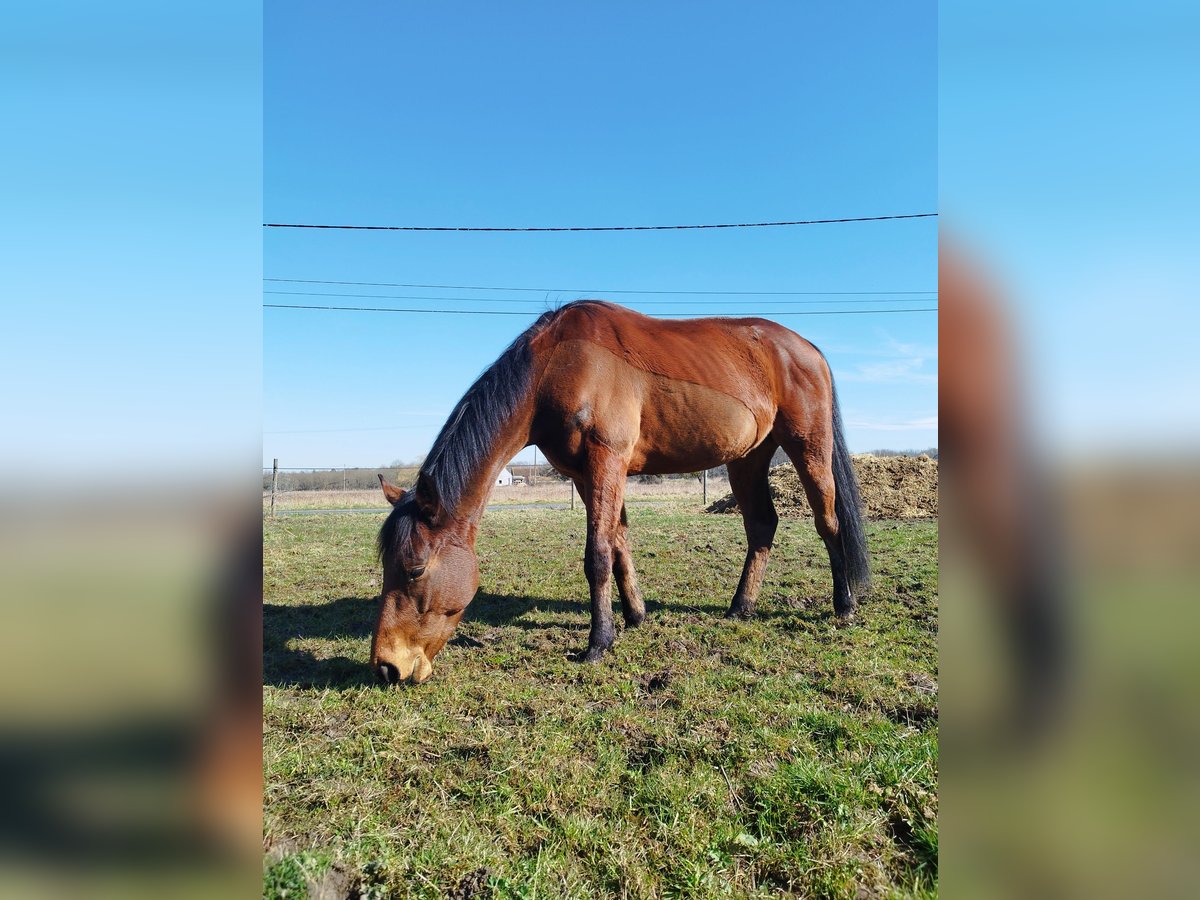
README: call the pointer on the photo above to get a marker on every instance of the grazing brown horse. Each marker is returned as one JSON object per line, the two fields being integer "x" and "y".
{"x": 606, "y": 392}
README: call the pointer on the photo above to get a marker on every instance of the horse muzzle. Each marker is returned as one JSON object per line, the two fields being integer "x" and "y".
{"x": 408, "y": 668}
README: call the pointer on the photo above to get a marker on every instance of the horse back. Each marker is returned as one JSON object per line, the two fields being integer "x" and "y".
{"x": 743, "y": 357}
{"x": 675, "y": 395}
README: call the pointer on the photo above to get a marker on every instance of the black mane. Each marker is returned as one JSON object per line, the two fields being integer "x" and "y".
{"x": 466, "y": 440}
{"x": 397, "y": 527}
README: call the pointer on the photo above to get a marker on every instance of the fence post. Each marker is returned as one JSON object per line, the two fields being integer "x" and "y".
{"x": 704, "y": 488}
{"x": 531, "y": 471}
{"x": 343, "y": 478}
{"x": 274, "y": 483}
{"x": 572, "y": 495}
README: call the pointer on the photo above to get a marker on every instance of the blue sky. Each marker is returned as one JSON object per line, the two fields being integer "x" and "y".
{"x": 553, "y": 114}
{"x": 1068, "y": 166}
{"x": 133, "y": 249}
{"x": 129, "y": 249}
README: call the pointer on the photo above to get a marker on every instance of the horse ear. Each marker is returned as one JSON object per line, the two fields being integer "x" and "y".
{"x": 393, "y": 493}
{"x": 428, "y": 501}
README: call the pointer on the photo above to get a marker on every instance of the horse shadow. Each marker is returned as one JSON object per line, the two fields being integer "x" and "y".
{"x": 509, "y": 609}
{"x": 353, "y": 618}
{"x": 288, "y": 666}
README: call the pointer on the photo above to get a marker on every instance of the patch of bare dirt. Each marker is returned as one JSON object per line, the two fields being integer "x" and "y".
{"x": 338, "y": 883}
{"x": 472, "y": 886}
{"x": 893, "y": 487}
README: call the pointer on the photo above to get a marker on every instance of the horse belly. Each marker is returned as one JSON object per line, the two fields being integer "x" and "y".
{"x": 687, "y": 427}
{"x": 659, "y": 425}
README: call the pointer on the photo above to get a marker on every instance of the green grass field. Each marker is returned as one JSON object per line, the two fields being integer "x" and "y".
{"x": 703, "y": 758}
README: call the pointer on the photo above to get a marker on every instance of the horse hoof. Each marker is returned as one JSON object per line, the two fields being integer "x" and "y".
{"x": 593, "y": 654}
{"x": 634, "y": 621}
{"x": 739, "y": 612}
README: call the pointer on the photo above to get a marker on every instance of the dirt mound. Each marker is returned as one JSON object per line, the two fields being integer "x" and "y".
{"x": 893, "y": 487}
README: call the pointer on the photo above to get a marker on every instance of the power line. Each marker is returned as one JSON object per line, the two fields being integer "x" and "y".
{"x": 455, "y": 312}
{"x": 504, "y": 312}
{"x": 925, "y": 299}
{"x": 473, "y": 287}
{"x": 605, "y": 227}
{"x": 340, "y": 430}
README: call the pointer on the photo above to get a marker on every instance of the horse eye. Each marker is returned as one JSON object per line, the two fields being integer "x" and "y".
{"x": 417, "y": 572}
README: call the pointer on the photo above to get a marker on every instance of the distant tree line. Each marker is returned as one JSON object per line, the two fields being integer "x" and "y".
{"x": 337, "y": 479}
{"x": 405, "y": 474}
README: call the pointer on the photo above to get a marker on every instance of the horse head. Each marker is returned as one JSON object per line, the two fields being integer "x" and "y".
{"x": 430, "y": 574}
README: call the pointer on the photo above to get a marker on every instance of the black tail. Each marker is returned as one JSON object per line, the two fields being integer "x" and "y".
{"x": 848, "y": 506}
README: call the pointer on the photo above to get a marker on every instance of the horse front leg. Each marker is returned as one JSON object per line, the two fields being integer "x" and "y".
{"x": 604, "y": 495}
{"x": 633, "y": 608}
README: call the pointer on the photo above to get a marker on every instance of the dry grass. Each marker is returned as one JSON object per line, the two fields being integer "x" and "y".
{"x": 544, "y": 491}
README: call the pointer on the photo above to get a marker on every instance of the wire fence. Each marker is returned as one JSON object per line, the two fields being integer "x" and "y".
{"x": 312, "y": 488}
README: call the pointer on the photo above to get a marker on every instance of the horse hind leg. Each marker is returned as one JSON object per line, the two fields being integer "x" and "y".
{"x": 813, "y": 459}
{"x": 751, "y": 489}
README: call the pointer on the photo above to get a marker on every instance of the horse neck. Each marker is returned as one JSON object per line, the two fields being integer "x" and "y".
{"x": 510, "y": 440}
